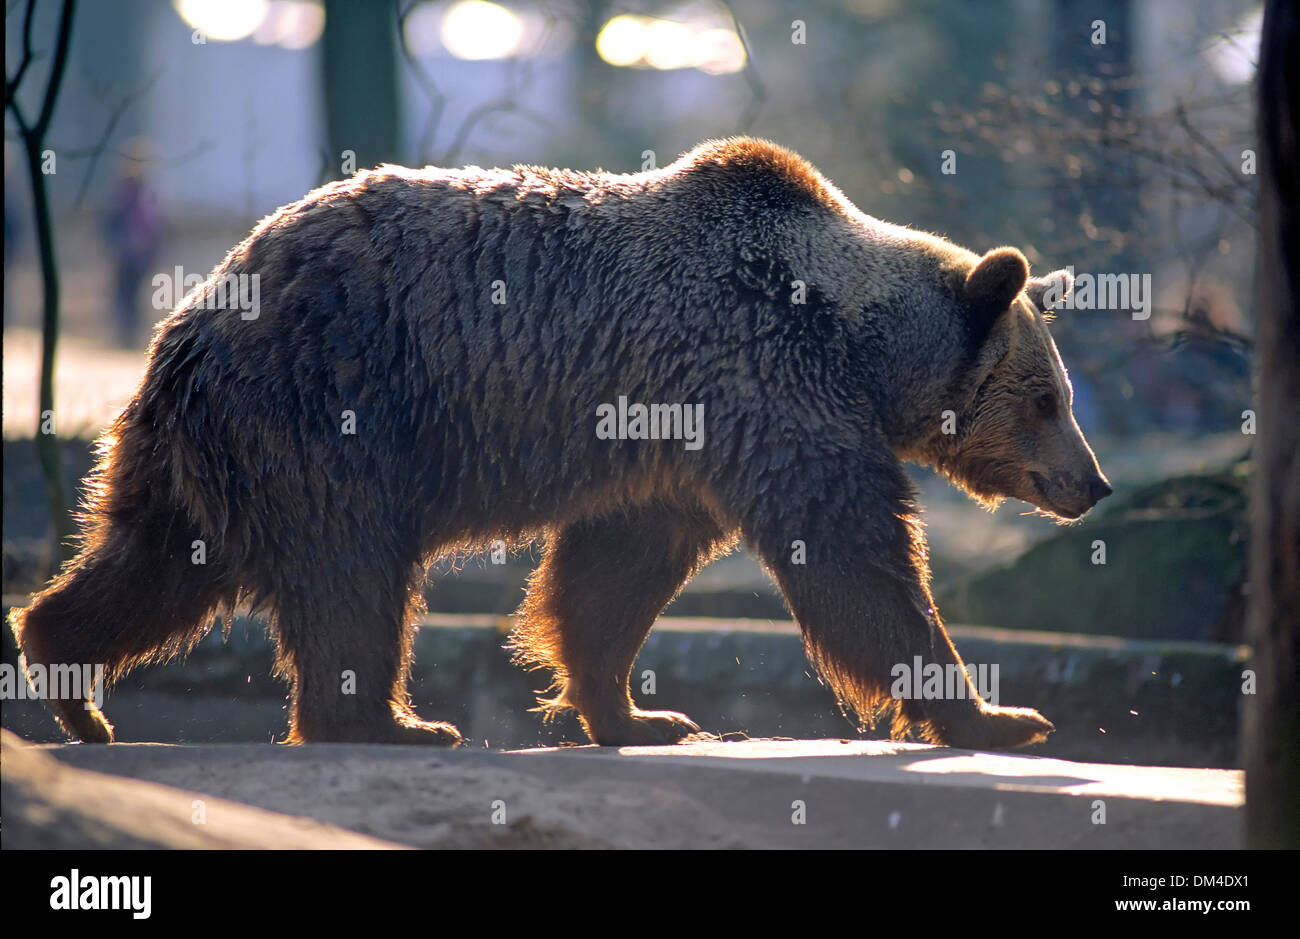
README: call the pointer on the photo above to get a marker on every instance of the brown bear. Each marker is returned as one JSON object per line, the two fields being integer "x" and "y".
{"x": 434, "y": 363}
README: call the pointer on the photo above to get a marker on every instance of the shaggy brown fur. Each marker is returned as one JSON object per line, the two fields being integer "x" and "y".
{"x": 475, "y": 420}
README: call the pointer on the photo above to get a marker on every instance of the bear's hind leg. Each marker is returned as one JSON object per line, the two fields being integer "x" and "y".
{"x": 344, "y": 642}
{"x": 132, "y": 596}
{"x": 591, "y": 604}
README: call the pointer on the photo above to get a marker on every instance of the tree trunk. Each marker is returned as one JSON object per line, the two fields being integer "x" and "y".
{"x": 359, "y": 59}
{"x": 32, "y": 134}
{"x": 1271, "y": 731}
{"x": 47, "y": 444}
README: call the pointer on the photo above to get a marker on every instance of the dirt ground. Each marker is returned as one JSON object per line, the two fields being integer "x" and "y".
{"x": 751, "y": 794}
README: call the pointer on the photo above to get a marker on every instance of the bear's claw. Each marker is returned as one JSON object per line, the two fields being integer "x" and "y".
{"x": 999, "y": 728}
{"x": 646, "y": 729}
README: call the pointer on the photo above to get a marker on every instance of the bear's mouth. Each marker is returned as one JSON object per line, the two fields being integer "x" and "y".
{"x": 1049, "y": 503}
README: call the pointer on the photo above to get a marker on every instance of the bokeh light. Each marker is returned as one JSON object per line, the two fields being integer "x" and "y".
{"x": 476, "y": 29}
{"x": 1232, "y": 55}
{"x": 622, "y": 41}
{"x": 223, "y": 20}
{"x": 718, "y": 52}
{"x": 643, "y": 41}
{"x": 668, "y": 45}
{"x": 291, "y": 24}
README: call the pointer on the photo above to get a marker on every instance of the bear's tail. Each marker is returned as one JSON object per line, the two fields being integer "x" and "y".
{"x": 139, "y": 590}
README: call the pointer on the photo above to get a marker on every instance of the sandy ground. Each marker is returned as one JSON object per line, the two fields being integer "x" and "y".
{"x": 755, "y": 794}
{"x": 49, "y": 805}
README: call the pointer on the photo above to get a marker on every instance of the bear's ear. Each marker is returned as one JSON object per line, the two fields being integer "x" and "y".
{"x": 1050, "y": 290}
{"x": 990, "y": 287}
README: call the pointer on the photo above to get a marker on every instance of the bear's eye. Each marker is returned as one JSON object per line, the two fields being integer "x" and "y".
{"x": 1046, "y": 405}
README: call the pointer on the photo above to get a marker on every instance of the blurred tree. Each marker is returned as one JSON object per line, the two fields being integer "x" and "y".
{"x": 1095, "y": 47}
{"x": 1105, "y": 173}
{"x": 38, "y": 159}
{"x": 359, "y": 58}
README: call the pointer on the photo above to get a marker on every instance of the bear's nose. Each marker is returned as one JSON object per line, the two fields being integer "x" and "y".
{"x": 1098, "y": 489}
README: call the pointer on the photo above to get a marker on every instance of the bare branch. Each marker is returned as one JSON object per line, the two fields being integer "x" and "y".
{"x": 33, "y": 139}
{"x": 758, "y": 92}
{"x": 505, "y": 105}
{"x": 437, "y": 100}
{"x": 11, "y": 85}
{"x": 98, "y": 149}
{"x": 57, "y": 69}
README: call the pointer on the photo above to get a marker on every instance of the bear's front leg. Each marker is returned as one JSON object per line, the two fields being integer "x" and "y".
{"x": 842, "y": 538}
{"x": 591, "y": 604}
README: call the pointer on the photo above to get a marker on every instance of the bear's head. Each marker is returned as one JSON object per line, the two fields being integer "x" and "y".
{"x": 1016, "y": 435}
